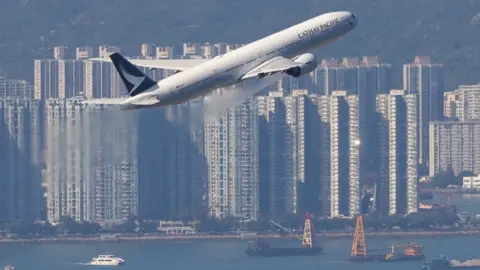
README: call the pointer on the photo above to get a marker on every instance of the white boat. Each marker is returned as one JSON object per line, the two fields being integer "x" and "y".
{"x": 9, "y": 267}
{"x": 107, "y": 260}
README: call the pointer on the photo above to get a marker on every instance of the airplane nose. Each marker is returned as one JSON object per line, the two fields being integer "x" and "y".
{"x": 352, "y": 20}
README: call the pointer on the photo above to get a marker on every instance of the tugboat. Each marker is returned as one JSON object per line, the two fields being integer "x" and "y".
{"x": 9, "y": 267}
{"x": 439, "y": 263}
{"x": 442, "y": 263}
{"x": 411, "y": 252}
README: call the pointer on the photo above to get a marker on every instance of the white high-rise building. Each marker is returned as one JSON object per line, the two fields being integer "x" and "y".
{"x": 467, "y": 102}
{"x": 345, "y": 154}
{"x": 452, "y": 106}
{"x": 147, "y": 50}
{"x": 102, "y": 81}
{"x": 165, "y": 52}
{"x": 104, "y": 51}
{"x": 82, "y": 53}
{"x": 425, "y": 79}
{"x": 231, "y": 149}
{"x": 397, "y": 186}
{"x": 71, "y": 78}
{"x": 90, "y": 162}
{"x": 59, "y": 52}
{"x": 209, "y": 50}
{"x": 455, "y": 145}
{"x": 221, "y": 48}
{"x": 297, "y": 110}
{"x": 46, "y": 81}
{"x": 191, "y": 49}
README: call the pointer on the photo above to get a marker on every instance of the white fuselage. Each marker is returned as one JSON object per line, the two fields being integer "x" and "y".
{"x": 228, "y": 69}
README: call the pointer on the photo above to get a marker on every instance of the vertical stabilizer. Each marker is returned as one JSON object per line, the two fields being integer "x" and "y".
{"x": 133, "y": 78}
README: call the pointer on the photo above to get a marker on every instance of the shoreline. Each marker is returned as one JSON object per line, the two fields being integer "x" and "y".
{"x": 163, "y": 238}
{"x": 450, "y": 190}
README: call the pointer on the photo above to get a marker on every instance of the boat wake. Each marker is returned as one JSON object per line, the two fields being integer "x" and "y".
{"x": 79, "y": 263}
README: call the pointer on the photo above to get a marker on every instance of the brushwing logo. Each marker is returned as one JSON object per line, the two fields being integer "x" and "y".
{"x": 135, "y": 81}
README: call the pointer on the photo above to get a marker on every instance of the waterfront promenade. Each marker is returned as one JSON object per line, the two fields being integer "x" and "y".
{"x": 120, "y": 238}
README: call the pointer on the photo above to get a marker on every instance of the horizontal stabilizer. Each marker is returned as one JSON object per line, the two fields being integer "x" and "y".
{"x": 106, "y": 101}
{"x": 171, "y": 64}
{"x": 119, "y": 101}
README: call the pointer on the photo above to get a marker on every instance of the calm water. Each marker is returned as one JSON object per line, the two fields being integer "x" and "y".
{"x": 223, "y": 255}
{"x": 229, "y": 255}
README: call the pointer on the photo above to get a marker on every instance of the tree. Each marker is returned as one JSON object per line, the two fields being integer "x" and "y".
{"x": 459, "y": 178}
{"x": 445, "y": 178}
{"x": 148, "y": 226}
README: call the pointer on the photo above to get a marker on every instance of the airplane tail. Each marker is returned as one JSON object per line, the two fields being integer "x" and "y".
{"x": 133, "y": 78}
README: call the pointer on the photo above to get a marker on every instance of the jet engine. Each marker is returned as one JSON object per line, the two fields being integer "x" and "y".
{"x": 308, "y": 63}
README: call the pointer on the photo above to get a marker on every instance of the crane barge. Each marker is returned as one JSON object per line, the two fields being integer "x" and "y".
{"x": 411, "y": 252}
{"x": 259, "y": 248}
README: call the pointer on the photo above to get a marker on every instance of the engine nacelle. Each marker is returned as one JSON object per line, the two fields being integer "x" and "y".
{"x": 308, "y": 63}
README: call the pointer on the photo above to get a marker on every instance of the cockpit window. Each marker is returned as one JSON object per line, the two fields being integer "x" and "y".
{"x": 353, "y": 16}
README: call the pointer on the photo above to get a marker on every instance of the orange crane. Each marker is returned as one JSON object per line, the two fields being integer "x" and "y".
{"x": 308, "y": 232}
{"x": 359, "y": 248}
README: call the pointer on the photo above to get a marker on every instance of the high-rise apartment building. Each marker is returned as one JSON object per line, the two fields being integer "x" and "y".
{"x": 468, "y": 102}
{"x": 191, "y": 48}
{"x": 172, "y": 168}
{"x": 397, "y": 188}
{"x": 104, "y": 51}
{"x": 147, "y": 50}
{"x": 15, "y": 89}
{"x": 296, "y": 106}
{"x": 231, "y": 150}
{"x": 116, "y": 166}
{"x": 90, "y": 170}
{"x": 46, "y": 81}
{"x": 209, "y": 51}
{"x": 221, "y": 48}
{"x": 307, "y": 121}
{"x": 318, "y": 154}
{"x": 456, "y": 145}
{"x": 451, "y": 105}
{"x": 102, "y": 81}
{"x": 425, "y": 79}
{"x": 275, "y": 155}
{"x": 164, "y": 52}
{"x": 345, "y": 154}
{"x": 71, "y": 79}
{"x": 82, "y": 53}
{"x": 366, "y": 78}
{"x": 20, "y": 162}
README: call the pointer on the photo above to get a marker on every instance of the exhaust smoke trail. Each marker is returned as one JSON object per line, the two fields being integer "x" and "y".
{"x": 219, "y": 102}
{"x": 89, "y": 149}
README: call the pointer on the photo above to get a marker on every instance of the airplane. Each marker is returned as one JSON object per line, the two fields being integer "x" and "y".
{"x": 285, "y": 52}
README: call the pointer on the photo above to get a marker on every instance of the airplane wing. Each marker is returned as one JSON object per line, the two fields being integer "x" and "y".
{"x": 172, "y": 64}
{"x": 118, "y": 101}
{"x": 275, "y": 65}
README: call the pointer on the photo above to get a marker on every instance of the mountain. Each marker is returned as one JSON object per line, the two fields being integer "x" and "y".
{"x": 396, "y": 30}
